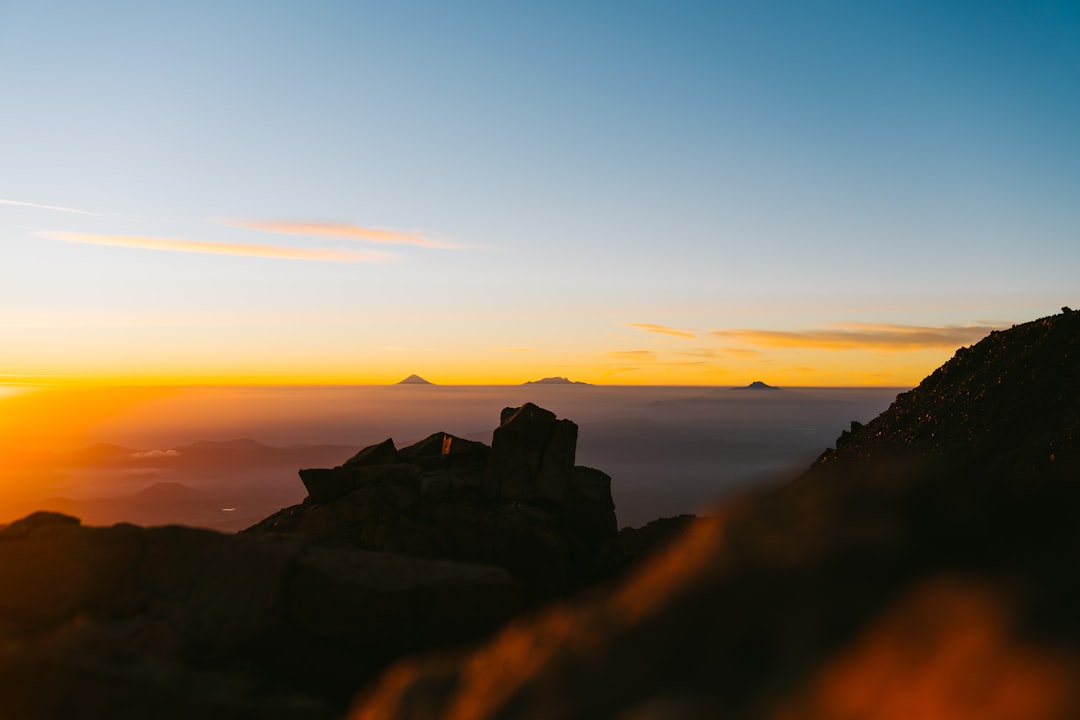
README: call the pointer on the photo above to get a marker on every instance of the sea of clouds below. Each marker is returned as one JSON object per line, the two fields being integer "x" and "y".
{"x": 669, "y": 450}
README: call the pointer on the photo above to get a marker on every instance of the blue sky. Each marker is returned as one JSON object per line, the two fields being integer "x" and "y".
{"x": 586, "y": 169}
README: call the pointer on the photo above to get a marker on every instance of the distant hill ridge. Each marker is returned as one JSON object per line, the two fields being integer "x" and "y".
{"x": 555, "y": 381}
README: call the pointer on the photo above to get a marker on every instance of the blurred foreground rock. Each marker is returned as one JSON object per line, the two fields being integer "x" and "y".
{"x": 176, "y": 622}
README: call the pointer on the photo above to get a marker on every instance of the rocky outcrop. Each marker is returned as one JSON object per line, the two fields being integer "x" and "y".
{"x": 921, "y": 569}
{"x": 521, "y": 504}
{"x": 532, "y": 456}
{"x": 176, "y": 622}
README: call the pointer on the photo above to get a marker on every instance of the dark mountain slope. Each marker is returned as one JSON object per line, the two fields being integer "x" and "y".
{"x": 1004, "y": 408}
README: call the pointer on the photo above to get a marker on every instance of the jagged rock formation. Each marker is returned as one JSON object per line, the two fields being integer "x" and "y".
{"x": 175, "y": 622}
{"x": 921, "y": 569}
{"x": 521, "y": 504}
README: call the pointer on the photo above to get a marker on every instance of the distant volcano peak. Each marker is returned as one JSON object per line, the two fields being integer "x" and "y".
{"x": 415, "y": 380}
{"x": 758, "y": 385}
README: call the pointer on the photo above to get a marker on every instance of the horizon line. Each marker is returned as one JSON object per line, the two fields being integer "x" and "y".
{"x": 60, "y": 382}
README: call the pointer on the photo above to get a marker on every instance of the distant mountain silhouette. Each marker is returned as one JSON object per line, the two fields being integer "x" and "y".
{"x": 165, "y": 492}
{"x": 101, "y": 453}
{"x": 212, "y": 446}
{"x": 757, "y": 385}
{"x": 415, "y": 380}
{"x": 554, "y": 381}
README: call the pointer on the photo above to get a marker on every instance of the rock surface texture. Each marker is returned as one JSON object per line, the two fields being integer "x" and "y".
{"x": 521, "y": 504}
{"x": 924, "y": 568}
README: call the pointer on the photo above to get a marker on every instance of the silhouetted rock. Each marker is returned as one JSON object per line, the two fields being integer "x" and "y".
{"x": 35, "y": 520}
{"x": 521, "y": 504}
{"x": 382, "y": 454}
{"x": 532, "y": 455}
{"x": 443, "y": 450}
{"x": 921, "y": 569}
{"x": 176, "y": 622}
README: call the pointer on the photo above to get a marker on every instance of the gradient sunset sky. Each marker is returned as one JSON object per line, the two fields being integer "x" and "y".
{"x": 806, "y": 193}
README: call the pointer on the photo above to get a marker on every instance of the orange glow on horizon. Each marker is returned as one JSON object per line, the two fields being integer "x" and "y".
{"x": 796, "y": 367}
{"x": 45, "y": 418}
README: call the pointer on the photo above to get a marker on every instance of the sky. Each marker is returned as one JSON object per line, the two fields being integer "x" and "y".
{"x": 828, "y": 193}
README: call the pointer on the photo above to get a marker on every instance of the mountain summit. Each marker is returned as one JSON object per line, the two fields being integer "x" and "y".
{"x": 758, "y": 385}
{"x": 415, "y": 380}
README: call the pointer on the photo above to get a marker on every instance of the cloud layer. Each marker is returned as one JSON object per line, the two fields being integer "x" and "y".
{"x": 338, "y": 230}
{"x": 850, "y": 336}
{"x": 216, "y": 248}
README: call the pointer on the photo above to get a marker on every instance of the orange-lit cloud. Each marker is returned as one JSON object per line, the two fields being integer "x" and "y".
{"x": 217, "y": 248}
{"x": 338, "y": 230}
{"x": 632, "y": 355}
{"x": 661, "y": 330}
{"x": 863, "y": 336}
{"x": 55, "y": 208}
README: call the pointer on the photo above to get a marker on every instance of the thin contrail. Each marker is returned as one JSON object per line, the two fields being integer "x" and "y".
{"x": 56, "y": 208}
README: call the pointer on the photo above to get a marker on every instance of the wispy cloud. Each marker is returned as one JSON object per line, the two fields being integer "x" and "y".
{"x": 54, "y": 208}
{"x": 713, "y": 353}
{"x": 217, "y": 248}
{"x": 632, "y": 355}
{"x": 338, "y": 230}
{"x": 742, "y": 353}
{"x": 661, "y": 330}
{"x": 155, "y": 454}
{"x": 848, "y": 336}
